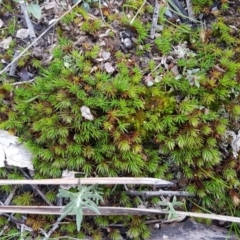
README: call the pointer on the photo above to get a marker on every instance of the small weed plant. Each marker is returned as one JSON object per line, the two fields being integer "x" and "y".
{"x": 170, "y": 207}
{"x": 84, "y": 197}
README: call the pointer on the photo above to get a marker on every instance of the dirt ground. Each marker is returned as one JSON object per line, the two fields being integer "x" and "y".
{"x": 189, "y": 230}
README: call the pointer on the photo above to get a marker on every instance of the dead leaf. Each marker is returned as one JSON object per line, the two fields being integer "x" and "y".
{"x": 18, "y": 156}
{"x": 148, "y": 80}
{"x": 86, "y": 113}
{"x": 235, "y": 142}
{"x": 25, "y": 75}
{"x": 6, "y": 138}
{"x": 158, "y": 79}
{"x": 216, "y": 67}
{"x": 50, "y": 5}
{"x": 108, "y": 67}
{"x": 2, "y": 157}
{"x": 22, "y": 33}
{"x": 1, "y": 23}
{"x": 67, "y": 174}
{"x": 5, "y": 43}
{"x": 174, "y": 70}
{"x": 106, "y": 55}
{"x": 14, "y": 153}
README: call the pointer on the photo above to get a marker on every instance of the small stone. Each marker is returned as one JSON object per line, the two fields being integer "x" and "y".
{"x": 156, "y": 226}
{"x": 165, "y": 237}
{"x": 127, "y": 43}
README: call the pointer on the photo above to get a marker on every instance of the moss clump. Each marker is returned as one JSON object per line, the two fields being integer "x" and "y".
{"x": 173, "y": 129}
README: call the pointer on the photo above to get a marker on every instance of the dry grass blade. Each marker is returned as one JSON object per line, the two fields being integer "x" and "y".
{"x": 89, "y": 181}
{"x": 49, "y": 210}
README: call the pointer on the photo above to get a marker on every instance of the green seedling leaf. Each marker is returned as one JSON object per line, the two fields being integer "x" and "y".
{"x": 170, "y": 207}
{"x": 85, "y": 6}
{"x": 79, "y": 218}
{"x": 85, "y": 197}
{"x": 35, "y": 10}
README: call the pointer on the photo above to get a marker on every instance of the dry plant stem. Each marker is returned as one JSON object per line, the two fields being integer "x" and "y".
{"x": 14, "y": 66}
{"x": 190, "y": 11}
{"x": 18, "y": 222}
{"x": 10, "y": 196}
{"x": 121, "y": 211}
{"x": 90, "y": 181}
{"x": 133, "y": 19}
{"x": 146, "y": 222}
{"x": 100, "y": 9}
{"x": 59, "y": 201}
{"x": 23, "y": 82}
{"x": 28, "y": 21}
{"x": 39, "y": 37}
{"x": 65, "y": 237}
{"x": 54, "y": 227}
{"x": 154, "y": 19}
{"x": 159, "y": 193}
{"x": 6, "y": 226}
{"x": 159, "y": 65}
{"x": 35, "y": 187}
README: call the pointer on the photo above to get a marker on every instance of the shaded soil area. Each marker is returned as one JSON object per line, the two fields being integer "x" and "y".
{"x": 191, "y": 230}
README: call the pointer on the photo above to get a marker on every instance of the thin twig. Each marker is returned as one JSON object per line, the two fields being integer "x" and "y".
{"x": 158, "y": 66}
{"x": 54, "y": 227}
{"x": 14, "y": 65}
{"x": 41, "y": 35}
{"x": 67, "y": 237}
{"x": 90, "y": 181}
{"x": 6, "y": 226}
{"x": 133, "y": 19}
{"x": 154, "y": 19}
{"x": 35, "y": 187}
{"x": 159, "y": 193}
{"x": 28, "y": 21}
{"x": 22, "y": 82}
{"x": 10, "y": 196}
{"x": 190, "y": 11}
{"x": 100, "y": 9}
{"x": 53, "y": 210}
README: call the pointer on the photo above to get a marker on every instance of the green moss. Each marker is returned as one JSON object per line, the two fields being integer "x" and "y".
{"x": 171, "y": 129}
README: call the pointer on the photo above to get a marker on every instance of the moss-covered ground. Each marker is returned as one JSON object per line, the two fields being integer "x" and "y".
{"x": 99, "y": 95}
